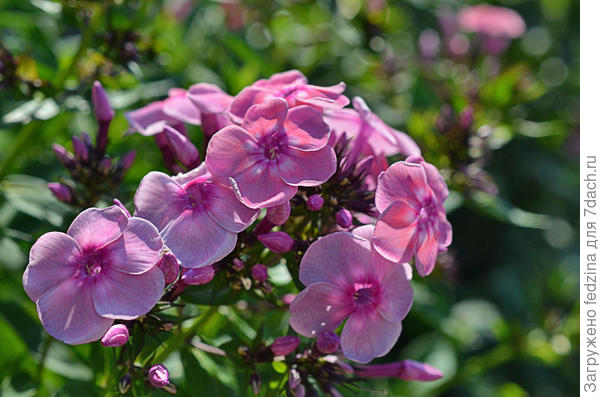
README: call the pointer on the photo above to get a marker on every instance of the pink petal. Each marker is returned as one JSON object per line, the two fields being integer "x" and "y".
{"x": 149, "y": 120}
{"x": 67, "y": 313}
{"x": 209, "y": 98}
{"x": 426, "y": 252}
{"x": 245, "y": 99}
{"x": 213, "y": 122}
{"x": 199, "y": 172}
{"x": 95, "y": 227}
{"x": 402, "y": 181}
{"x": 182, "y": 147}
{"x": 344, "y": 121}
{"x": 183, "y": 109}
{"x": 300, "y": 168}
{"x": 197, "y": 240}
{"x": 231, "y": 151}
{"x": 288, "y": 77}
{"x": 137, "y": 250}
{"x": 263, "y": 120}
{"x": 395, "y": 240}
{"x": 434, "y": 178}
{"x": 225, "y": 209}
{"x": 159, "y": 199}
{"x": 443, "y": 232}
{"x": 320, "y": 307}
{"x": 54, "y": 258}
{"x": 367, "y": 335}
{"x": 125, "y": 296}
{"x": 396, "y": 293}
{"x": 261, "y": 186}
{"x": 306, "y": 129}
{"x": 339, "y": 258}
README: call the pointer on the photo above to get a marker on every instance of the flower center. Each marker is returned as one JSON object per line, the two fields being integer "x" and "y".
{"x": 364, "y": 295}
{"x": 273, "y": 153}
{"x": 93, "y": 263}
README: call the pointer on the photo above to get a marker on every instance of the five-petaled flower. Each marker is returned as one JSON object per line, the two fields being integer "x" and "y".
{"x": 102, "y": 269}
{"x": 346, "y": 278}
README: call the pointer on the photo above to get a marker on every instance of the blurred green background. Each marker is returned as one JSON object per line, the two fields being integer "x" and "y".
{"x": 499, "y": 316}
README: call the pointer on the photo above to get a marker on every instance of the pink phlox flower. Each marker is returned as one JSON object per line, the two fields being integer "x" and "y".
{"x": 274, "y": 151}
{"x": 213, "y": 104}
{"x": 492, "y": 21}
{"x": 198, "y": 218}
{"x": 410, "y": 197}
{"x": 293, "y": 87}
{"x": 102, "y": 269}
{"x": 347, "y": 279}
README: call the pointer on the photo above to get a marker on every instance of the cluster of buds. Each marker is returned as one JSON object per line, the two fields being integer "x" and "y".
{"x": 91, "y": 170}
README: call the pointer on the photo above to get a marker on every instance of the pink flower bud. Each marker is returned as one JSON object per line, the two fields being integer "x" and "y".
{"x": 182, "y": 147}
{"x": 60, "y": 191}
{"x": 65, "y": 158}
{"x": 259, "y": 273}
{"x": 294, "y": 378}
{"x": 406, "y": 370}
{"x": 279, "y": 214}
{"x": 198, "y": 276}
{"x": 285, "y": 345}
{"x": 158, "y": 375}
{"x": 116, "y": 336}
{"x": 287, "y": 299}
{"x": 277, "y": 241}
{"x": 328, "y": 342}
{"x": 80, "y": 149}
{"x": 119, "y": 204}
{"x": 315, "y": 202}
{"x": 102, "y": 109}
{"x": 170, "y": 267}
{"x": 238, "y": 264}
{"x": 126, "y": 161}
{"x": 344, "y": 218}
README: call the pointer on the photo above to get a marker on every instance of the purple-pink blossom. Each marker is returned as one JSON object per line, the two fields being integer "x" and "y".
{"x": 198, "y": 218}
{"x": 410, "y": 197}
{"x": 291, "y": 86}
{"x": 102, "y": 269}
{"x": 346, "y": 278}
{"x": 274, "y": 151}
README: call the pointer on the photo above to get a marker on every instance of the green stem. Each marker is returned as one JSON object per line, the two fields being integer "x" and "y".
{"x": 181, "y": 338}
{"x": 40, "y": 369}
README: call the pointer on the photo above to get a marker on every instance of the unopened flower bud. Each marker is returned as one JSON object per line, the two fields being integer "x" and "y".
{"x": 126, "y": 162}
{"x": 256, "y": 383}
{"x": 61, "y": 192}
{"x": 344, "y": 218}
{"x": 105, "y": 166}
{"x": 465, "y": 119}
{"x": 119, "y": 204}
{"x": 328, "y": 342}
{"x": 285, "y": 345}
{"x": 294, "y": 378}
{"x": 80, "y": 149}
{"x": 158, "y": 375}
{"x": 198, "y": 276}
{"x": 406, "y": 370}
{"x": 65, "y": 158}
{"x": 124, "y": 383}
{"x": 182, "y": 147}
{"x": 445, "y": 119}
{"x": 170, "y": 267}
{"x": 315, "y": 202}
{"x": 287, "y": 299}
{"x": 102, "y": 109}
{"x": 279, "y": 214}
{"x": 259, "y": 273}
{"x": 238, "y": 264}
{"x": 277, "y": 241}
{"x": 116, "y": 336}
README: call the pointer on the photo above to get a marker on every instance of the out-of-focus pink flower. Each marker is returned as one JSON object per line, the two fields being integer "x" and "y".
{"x": 259, "y": 272}
{"x": 345, "y": 278}
{"x": 278, "y": 214}
{"x": 213, "y": 104}
{"x": 60, "y": 191}
{"x": 235, "y": 14}
{"x": 406, "y": 370}
{"x": 116, "y": 336}
{"x": 328, "y": 342}
{"x": 284, "y": 345}
{"x": 238, "y": 264}
{"x": 272, "y": 153}
{"x": 169, "y": 265}
{"x": 198, "y": 218}
{"x": 199, "y": 276}
{"x": 410, "y": 197}
{"x": 102, "y": 269}
{"x": 158, "y": 375}
{"x": 277, "y": 241}
{"x": 293, "y": 87}
{"x": 492, "y": 21}
{"x": 315, "y": 202}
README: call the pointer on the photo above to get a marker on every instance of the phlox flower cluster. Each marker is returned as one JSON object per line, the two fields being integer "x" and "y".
{"x": 289, "y": 169}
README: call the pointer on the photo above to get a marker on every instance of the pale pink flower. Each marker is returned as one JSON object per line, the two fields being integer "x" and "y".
{"x": 346, "y": 278}
{"x": 406, "y": 370}
{"x": 197, "y": 217}
{"x": 492, "y": 21}
{"x": 102, "y": 269}
{"x": 410, "y": 197}
{"x": 272, "y": 153}
{"x": 293, "y": 87}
